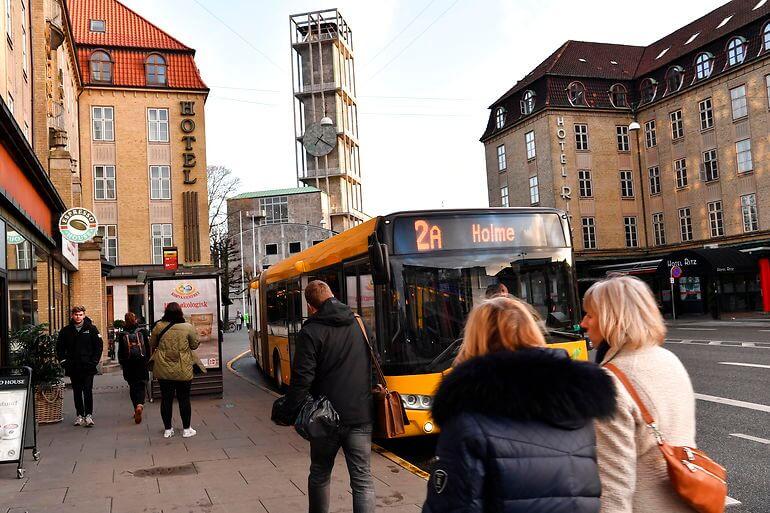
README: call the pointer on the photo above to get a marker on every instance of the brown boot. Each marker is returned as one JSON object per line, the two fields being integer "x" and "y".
{"x": 138, "y": 413}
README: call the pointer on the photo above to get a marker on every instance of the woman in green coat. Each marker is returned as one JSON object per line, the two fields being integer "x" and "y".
{"x": 173, "y": 341}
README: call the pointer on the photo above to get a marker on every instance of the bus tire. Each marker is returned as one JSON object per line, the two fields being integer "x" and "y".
{"x": 277, "y": 371}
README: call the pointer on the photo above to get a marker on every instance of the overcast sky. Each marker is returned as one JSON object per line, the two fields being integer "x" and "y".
{"x": 426, "y": 71}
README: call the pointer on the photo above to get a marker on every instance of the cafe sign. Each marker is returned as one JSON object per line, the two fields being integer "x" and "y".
{"x": 78, "y": 225}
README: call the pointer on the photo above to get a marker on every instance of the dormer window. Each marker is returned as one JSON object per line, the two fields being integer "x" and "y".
{"x": 97, "y": 26}
{"x": 736, "y": 51}
{"x": 704, "y": 65}
{"x": 674, "y": 79}
{"x": 576, "y": 94}
{"x": 619, "y": 96}
{"x": 499, "y": 117}
{"x": 528, "y": 102}
{"x": 155, "y": 68}
{"x": 766, "y": 37}
{"x": 101, "y": 67}
{"x": 648, "y": 89}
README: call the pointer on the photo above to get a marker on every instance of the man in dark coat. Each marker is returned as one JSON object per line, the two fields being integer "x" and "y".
{"x": 332, "y": 359}
{"x": 79, "y": 349}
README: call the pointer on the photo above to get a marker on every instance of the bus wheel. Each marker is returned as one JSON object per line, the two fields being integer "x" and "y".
{"x": 277, "y": 372}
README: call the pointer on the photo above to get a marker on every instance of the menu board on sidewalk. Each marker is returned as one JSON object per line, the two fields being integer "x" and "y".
{"x": 199, "y": 301}
{"x": 13, "y": 406}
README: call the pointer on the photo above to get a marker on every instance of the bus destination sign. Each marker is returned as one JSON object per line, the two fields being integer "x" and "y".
{"x": 436, "y": 233}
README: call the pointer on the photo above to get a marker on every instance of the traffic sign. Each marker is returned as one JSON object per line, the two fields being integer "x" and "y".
{"x": 676, "y": 272}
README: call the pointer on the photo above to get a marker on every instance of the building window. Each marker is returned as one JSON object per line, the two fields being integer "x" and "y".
{"x": 680, "y": 170}
{"x": 529, "y": 139}
{"x": 674, "y": 79}
{"x": 155, "y": 70}
{"x": 271, "y": 249}
{"x": 109, "y": 233}
{"x": 499, "y": 117}
{"x": 647, "y": 90}
{"x": 295, "y": 247}
{"x": 528, "y": 102}
{"x": 618, "y": 96}
{"x": 10, "y": 104}
{"x": 104, "y": 182}
{"x": 622, "y": 135}
{"x": 704, "y": 65}
{"x": 626, "y": 184}
{"x": 97, "y": 26}
{"x": 101, "y": 67}
{"x": 743, "y": 152}
{"x": 589, "y": 233}
{"x": 160, "y": 182}
{"x": 738, "y": 100}
{"x": 534, "y": 192}
{"x": 677, "y": 125}
{"x": 576, "y": 94}
{"x": 654, "y": 173}
{"x": 659, "y": 229}
{"x": 629, "y": 223}
{"x": 157, "y": 125}
{"x": 685, "y": 224}
{"x": 710, "y": 166}
{"x": 766, "y": 37}
{"x": 736, "y": 51}
{"x": 581, "y": 137}
{"x": 161, "y": 237}
{"x": 585, "y": 184}
{"x": 102, "y": 124}
{"x": 8, "y": 20}
{"x": 706, "y": 114}
{"x": 501, "y": 163}
{"x": 317, "y": 242}
{"x": 276, "y": 209}
{"x": 24, "y": 66}
{"x": 504, "y": 196}
{"x": 650, "y": 137}
{"x": 23, "y": 254}
{"x": 749, "y": 210}
{"x": 715, "y": 219}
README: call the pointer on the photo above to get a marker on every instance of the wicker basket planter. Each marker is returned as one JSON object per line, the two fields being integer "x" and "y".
{"x": 48, "y": 403}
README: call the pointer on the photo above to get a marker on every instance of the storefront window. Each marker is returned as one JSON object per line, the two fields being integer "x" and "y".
{"x": 20, "y": 290}
{"x": 136, "y": 302}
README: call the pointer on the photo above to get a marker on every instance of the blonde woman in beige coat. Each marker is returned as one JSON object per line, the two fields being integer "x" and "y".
{"x": 622, "y": 311}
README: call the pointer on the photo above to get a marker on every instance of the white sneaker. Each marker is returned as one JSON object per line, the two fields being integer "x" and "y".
{"x": 79, "y": 421}
{"x": 89, "y": 421}
{"x": 187, "y": 433}
{"x": 168, "y": 433}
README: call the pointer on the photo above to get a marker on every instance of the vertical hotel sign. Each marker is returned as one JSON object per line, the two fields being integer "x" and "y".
{"x": 187, "y": 125}
{"x": 561, "y": 135}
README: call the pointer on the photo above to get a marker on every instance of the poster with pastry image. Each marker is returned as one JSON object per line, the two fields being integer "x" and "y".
{"x": 12, "y": 409}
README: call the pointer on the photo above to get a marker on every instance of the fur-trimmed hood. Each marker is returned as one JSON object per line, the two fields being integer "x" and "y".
{"x": 543, "y": 385}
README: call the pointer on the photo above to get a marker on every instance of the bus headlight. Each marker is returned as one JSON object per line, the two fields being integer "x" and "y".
{"x": 417, "y": 401}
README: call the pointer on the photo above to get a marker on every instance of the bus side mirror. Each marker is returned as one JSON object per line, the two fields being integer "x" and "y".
{"x": 378, "y": 256}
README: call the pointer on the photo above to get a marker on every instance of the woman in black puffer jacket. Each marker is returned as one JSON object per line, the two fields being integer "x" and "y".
{"x": 517, "y": 421}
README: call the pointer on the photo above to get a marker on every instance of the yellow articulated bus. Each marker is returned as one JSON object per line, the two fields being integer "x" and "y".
{"x": 414, "y": 277}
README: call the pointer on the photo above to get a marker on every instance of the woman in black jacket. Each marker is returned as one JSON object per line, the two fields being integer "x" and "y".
{"x": 517, "y": 421}
{"x": 133, "y": 354}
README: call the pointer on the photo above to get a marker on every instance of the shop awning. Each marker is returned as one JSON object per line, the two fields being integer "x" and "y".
{"x": 716, "y": 260}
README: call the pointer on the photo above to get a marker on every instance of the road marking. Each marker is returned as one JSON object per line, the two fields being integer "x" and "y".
{"x": 730, "y": 502}
{"x": 723, "y": 343}
{"x": 765, "y": 331}
{"x": 740, "y": 364}
{"x": 715, "y": 342}
{"x": 696, "y": 329}
{"x": 748, "y": 344}
{"x": 733, "y": 402}
{"x": 752, "y": 438}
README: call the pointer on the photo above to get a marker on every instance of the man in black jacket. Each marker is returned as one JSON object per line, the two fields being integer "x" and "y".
{"x": 79, "y": 349}
{"x": 332, "y": 359}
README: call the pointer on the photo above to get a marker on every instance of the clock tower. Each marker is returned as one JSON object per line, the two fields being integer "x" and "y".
{"x": 326, "y": 112}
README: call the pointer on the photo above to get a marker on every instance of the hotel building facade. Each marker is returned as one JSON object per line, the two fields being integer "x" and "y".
{"x": 657, "y": 153}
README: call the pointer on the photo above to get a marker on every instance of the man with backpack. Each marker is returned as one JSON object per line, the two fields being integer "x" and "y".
{"x": 133, "y": 354}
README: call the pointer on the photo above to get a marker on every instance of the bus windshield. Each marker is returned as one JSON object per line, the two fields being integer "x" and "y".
{"x": 432, "y": 295}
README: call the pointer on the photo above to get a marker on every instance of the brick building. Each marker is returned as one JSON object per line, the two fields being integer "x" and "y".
{"x": 657, "y": 153}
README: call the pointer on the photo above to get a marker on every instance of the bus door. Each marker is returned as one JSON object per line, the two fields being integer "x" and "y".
{"x": 295, "y": 318}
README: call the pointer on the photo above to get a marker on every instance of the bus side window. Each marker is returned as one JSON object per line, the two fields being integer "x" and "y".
{"x": 277, "y": 310}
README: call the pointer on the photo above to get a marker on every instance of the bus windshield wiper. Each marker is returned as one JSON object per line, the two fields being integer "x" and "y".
{"x": 449, "y": 351}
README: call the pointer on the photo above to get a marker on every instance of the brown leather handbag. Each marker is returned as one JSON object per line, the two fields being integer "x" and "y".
{"x": 388, "y": 406}
{"x": 697, "y": 479}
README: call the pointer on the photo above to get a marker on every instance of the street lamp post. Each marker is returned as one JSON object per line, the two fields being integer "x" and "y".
{"x": 635, "y": 127}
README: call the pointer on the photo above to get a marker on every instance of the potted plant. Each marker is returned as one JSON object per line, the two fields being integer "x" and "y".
{"x": 32, "y": 346}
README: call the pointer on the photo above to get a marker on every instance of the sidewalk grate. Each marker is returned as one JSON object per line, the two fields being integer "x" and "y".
{"x": 177, "y": 470}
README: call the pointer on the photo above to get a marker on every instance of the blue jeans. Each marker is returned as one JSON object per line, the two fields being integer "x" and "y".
{"x": 356, "y": 443}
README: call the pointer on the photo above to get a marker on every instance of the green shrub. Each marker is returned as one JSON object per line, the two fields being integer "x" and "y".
{"x": 32, "y": 346}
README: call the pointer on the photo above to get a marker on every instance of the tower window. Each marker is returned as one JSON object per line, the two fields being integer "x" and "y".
{"x": 576, "y": 94}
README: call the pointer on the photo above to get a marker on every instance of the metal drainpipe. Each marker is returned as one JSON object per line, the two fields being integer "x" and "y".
{"x": 641, "y": 186}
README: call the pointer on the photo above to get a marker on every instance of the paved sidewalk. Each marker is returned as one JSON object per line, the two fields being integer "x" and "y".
{"x": 238, "y": 462}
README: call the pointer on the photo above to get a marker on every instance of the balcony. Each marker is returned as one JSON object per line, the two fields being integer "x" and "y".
{"x": 55, "y": 19}
{"x": 312, "y": 174}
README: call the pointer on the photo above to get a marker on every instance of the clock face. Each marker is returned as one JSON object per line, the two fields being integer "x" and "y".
{"x": 319, "y": 140}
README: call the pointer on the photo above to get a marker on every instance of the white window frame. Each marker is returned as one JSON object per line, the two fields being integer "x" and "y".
{"x": 743, "y": 156}
{"x": 704, "y": 67}
{"x": 766, "y": 37}
{"x": 500, "y": 117}
{"x": 504, "y": 199}
{"x": 677, "y": 125}
{"x": 650, "y": 134}
{"x": 527, "y": 103}
{"x": 585, "y": 183}
{"x": 529, "y": 141}
{"x": 738, "y": 102}
{"x": 716, "y": 219}
{"x": 91, "y": 25}
{"x": 736, "y": 51}
{"x": 502, "y": 164}
{"x": 706, "y": 109}
{"x": 105, "y": 124}
{"x": 23, "y": 255}
{"x": 272, "y": 205}
{"x": 659, "y": 228}
{"x": 589, "y": 233}
{"x": 654, "y": 176}
{"x": 767, "y": 84}
{"x": 160, "y": 182}
{"x": 621, "y": 133}
{"x": 157, "y": 128}
{"x": 109, "y": 193}
{"x": 710, "y": 163}
{"x": 631, "y": 232}
{"x": 109, "y": 233}
{"x": 581, "y": 137}
{"x": 162, "y": 235}
{"x": 685, "y": 224}
{"x": 534, "y": 190}
{"x": 680, "y": 172}
{"x": 749, "y": 213}
{"x": 626, "y": 184}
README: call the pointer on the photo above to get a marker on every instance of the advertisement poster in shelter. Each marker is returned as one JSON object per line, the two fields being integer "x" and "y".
{"x": 13, "y": 402}
{"x": 198, "y": 299}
